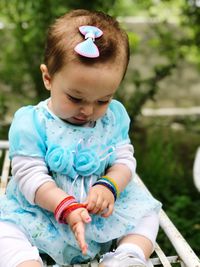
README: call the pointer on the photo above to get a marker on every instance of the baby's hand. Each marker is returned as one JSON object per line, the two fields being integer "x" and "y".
{"x": 100, "y": 200}
{"x": 77, "y": 219}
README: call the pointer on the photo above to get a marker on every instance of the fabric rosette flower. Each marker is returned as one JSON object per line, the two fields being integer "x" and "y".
{"x": 86, "y": 162}
{"x": 60, "y": 160}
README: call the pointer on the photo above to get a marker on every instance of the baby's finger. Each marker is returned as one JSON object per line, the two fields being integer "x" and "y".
{"x": 109, "y": 211}
{"x": 85, "y": 216}
{"x": 98, "y": 205}
{"x": 79, "y": 232}
{"x": 91, "y": 203}
{"x": 84, "y": 249}
{"x": 103, "y": 207}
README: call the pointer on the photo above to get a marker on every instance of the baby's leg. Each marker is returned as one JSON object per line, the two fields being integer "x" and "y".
{"x": 30, "y": 264}
{"x": 135, "y": 248}
{"x": 15, "y": 249}
{"x": 143, "y": 238}
{"x": 139, "y": 244}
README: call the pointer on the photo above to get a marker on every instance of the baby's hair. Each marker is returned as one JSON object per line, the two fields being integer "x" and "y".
{"x": 64, "y": 35}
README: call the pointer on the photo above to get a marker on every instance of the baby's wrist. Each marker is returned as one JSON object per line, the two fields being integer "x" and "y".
{"x": 110, "y": 184}
{"x": 70, "y": 210}
{"x": 65, "y": 207}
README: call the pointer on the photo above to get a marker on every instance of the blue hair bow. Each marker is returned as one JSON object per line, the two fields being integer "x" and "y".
{"x": 88, "y": 48}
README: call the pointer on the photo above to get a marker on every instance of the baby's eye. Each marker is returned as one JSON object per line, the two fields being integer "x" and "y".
{"x": 74, "y": 99}
{"x": 103, "y": 102}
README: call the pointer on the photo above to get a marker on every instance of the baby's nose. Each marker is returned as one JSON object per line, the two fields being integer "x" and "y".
{"x": 87, "y": 110}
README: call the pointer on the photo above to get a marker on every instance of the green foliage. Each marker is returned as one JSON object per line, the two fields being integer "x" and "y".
{"x": 91, "y": 5}
{"x": 27, "y": 23}
{"x": 134, "y": 41}
{"x": 157, "y": 162}
{"x": 146, "y": 88}
{"x": 164, "y": 162}
{"x": 3, "y": 107}
{"x": 185, "y": 213}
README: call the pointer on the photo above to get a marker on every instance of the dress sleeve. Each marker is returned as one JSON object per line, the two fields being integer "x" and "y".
{"x": 27, "y": 134}
{"x": 121, "y": 123}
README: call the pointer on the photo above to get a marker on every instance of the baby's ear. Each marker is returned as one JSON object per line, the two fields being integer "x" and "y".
{"x": 45, "y": 76}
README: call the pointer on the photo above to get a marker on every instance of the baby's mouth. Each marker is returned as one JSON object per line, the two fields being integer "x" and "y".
{"x": 81, "y": 120}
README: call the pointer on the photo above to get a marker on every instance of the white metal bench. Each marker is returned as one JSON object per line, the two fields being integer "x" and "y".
{"x": 185, "y": 256}
{"x": 196, "y": 169}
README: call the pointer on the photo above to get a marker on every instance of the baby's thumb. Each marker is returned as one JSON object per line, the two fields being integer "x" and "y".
{"x": 85, "y": 216}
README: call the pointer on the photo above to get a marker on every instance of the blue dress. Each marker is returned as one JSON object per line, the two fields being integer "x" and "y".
{"x": 76, "y": 157}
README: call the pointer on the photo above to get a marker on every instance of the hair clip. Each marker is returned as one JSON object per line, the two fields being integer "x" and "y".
{"x": 88, "y": 48}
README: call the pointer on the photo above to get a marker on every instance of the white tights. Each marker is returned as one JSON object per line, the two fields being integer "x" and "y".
{"x": 15, "y": 247}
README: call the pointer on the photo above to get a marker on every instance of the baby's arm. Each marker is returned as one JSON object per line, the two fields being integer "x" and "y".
{"x": 48, "y": 196}
{"x": 121, "y": 174}
{"x": 101, "y": 198}
{"x": 38, "y": 187}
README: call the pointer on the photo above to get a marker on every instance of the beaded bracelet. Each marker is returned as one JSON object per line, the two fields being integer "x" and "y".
{"x": 66, "y": 202}
{"x": 69, "y": 209}
{"x": 107, "y": 185}
{"x": 113, "y": 182}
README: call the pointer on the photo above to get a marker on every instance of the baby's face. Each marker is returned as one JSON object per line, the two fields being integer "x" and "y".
{"x": 81, "y": 93}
